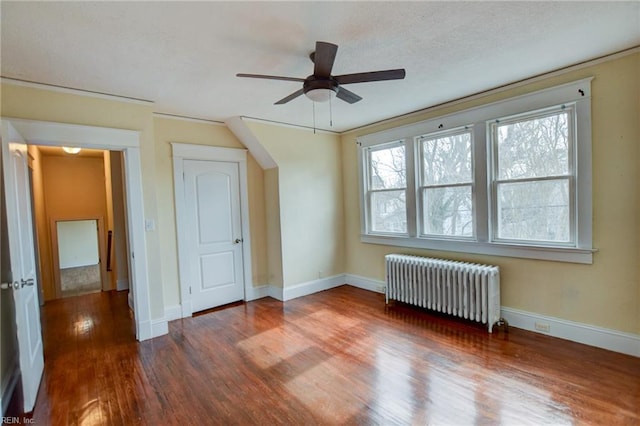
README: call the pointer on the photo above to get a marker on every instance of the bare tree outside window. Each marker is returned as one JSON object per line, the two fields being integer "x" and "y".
{"x": 533, "y": 178}
{"x": 388, "y": 182}
{"x": 446, "y": 187}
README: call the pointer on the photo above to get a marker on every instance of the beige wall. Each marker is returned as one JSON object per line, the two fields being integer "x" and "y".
{"x": 309, "y": 189}
{"x": 605, "y": 294}
{"x": 272, "y": 216}
{"x": 74, "y": 188}
{"x": 168, "y": 130}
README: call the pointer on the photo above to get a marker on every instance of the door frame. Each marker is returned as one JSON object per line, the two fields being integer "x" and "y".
{"x": 128, "y": 141}
{"x": 184, "y": 151}
{"x": 104, "y": 282}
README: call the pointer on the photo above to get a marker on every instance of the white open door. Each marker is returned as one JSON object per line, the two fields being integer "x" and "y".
{"x": 23, "y": 266}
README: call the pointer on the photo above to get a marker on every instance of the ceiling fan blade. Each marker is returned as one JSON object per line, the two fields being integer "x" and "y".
{"x": 363, "y": 77}
{"x": 290, "y": 97}
{"x": 347, "y": 96}
{"x": 271, "y": 77}
{"x": 323, "y": 58}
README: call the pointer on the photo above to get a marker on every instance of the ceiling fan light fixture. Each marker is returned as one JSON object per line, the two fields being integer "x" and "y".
{"x": 71, "y": 150}
{"x": 320, "y": 95}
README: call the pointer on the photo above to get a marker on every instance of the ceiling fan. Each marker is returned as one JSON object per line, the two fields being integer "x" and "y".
{"x": 321, "y": 85}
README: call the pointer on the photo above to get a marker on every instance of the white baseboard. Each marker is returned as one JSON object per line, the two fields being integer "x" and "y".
{"x": 173, "y": 312}
{"x": 310, "y": 287}
{"x": 122, "y": 284}
{"x": 275, "y": 292}
{"x": 154, "y": 328}
{"x": 8, "y": 385}
{"x": 613, "y": 340}
{"x": 253, "y": 293}
{"x": 159, "y": 327}
{"x": 365, "y": 283}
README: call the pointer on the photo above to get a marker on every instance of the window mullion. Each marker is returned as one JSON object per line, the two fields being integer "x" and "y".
{"x": 480, "y": 191}
{"x": 411, "y": 194}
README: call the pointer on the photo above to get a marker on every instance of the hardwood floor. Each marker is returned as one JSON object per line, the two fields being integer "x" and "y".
{"x": 335, "y": 357}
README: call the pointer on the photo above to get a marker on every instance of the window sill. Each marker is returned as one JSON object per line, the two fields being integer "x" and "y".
{"x": 558, "y": 254}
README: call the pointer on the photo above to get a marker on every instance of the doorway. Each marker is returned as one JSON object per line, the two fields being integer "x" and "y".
{"x": 127, "y": 142}
{"x": 78, "y": 257}
{"x": 16, "y": 135}
{"x": 212, "y": 217}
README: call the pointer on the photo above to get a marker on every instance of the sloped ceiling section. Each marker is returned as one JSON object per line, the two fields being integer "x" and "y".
{"x": 184, "y": 55}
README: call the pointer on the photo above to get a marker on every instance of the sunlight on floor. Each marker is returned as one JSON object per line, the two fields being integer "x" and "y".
{"x": 273, "y": 347}
{"x": 84, "y": 325}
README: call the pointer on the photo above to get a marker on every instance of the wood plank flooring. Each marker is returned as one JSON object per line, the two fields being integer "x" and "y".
{"x": 335, "y": 357}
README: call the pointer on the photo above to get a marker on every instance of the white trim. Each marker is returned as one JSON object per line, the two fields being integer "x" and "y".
{"x": 255, "y": 293}
{"x": 365, "y": 283}
{"x": 122, "y": 284}
{"x": 310, "y": 287}
{"x": 613, "y": 340}
{"x": 127, "y": 141}
{"x": 186, "y": 151}
{"x": 159, "y": 327}
{"x": 276, "y": 292}
{"x": 58, "y": 134}
{"x": 169, "y": 116}
{"x": 172, "y": 312}
{"x": 290, "y": 125}
{"x": 240, "y": 129}
{"x": 550, "y": 96}
{"x": 557, "y": 254}
{"x": 8, "y": 386}
{"x": 479, "y": 118}
{"x": 181, "y": 152}
{"x": 79, "y": 92}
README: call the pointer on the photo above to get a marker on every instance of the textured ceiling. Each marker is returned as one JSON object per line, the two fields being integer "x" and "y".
{"x": 184, "y": 55}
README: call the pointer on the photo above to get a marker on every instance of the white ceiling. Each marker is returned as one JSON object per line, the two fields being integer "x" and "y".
{"x": 184, "y": 55}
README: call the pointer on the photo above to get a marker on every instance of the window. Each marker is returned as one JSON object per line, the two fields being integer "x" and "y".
{"x": 510, "y": 178}
{"x": 446, "y": 184}
{"x": 387, "y": 187}
{"x": 533, "y": 177}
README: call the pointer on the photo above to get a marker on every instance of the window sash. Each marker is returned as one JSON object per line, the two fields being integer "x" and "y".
{"x": 569, "y": 176}
{"x": 370, "y": 191}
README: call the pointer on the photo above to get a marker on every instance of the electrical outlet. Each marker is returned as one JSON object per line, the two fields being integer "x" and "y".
{"x": 543, "y": 326}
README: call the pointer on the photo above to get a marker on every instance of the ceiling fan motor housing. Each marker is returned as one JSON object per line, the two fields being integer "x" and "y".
{"x": 313, "y": 83}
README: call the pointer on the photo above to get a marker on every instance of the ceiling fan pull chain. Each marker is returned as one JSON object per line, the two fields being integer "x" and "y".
{"x": 330, "y": 113}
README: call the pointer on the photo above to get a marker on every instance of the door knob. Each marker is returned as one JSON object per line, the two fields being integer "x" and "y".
{"x": 238, "y": 240}
{"x": 8, "y": 286}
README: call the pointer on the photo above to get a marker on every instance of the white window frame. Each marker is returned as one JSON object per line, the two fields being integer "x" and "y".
{"x": 570, "y": 176}
{"x": 369, "y": 190}
{"x": 421, "y": 186}
{"x": 577, "y": 93}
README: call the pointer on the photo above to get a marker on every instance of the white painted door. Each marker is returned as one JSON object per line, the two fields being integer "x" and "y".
{"x": 212, "y": 198}
{"x": 23, "y": 267}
